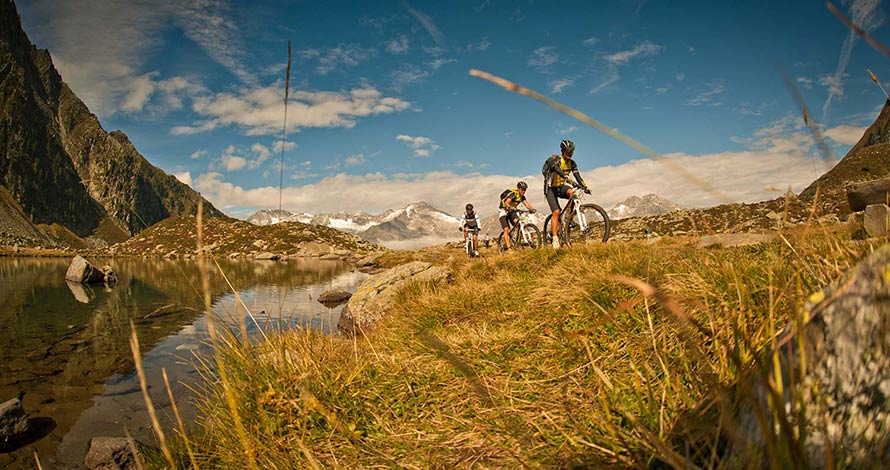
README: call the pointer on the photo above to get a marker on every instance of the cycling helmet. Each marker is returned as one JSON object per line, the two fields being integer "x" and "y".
{"x": 567, "y": 146}
{"x": 521, "y": 185}
{"x": 469, "y": 207}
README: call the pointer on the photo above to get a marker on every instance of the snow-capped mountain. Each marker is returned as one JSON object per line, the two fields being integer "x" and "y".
{"x": 416, "y": 224}
{"x": 635, "y": 206}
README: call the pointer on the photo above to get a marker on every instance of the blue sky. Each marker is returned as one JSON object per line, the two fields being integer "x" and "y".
{"x": 383, "y": 111}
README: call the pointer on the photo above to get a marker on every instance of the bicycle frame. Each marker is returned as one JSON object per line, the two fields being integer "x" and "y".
{"x": 522, "y": 217}
{"x": 575, "y": 201}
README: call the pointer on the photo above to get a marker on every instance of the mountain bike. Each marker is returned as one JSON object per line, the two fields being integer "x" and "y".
{"x": 578, "y": 221}
{"x": 522, "y": 234}
{"x": 469, "y": 249}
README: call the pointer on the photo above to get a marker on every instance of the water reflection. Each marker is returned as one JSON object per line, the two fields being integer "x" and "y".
{"x": 67, "y": 345}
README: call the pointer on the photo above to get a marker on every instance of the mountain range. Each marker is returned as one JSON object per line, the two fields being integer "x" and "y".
{"x": 420, "y": 224}
{"x": 414, "y": 225}
{"x": 61, "y": 171}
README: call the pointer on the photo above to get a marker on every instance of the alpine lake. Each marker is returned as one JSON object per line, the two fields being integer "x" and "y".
{"x": 66, "y": 346}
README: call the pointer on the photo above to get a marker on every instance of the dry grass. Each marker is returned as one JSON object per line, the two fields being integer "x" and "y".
{"x": 620, "y": 354}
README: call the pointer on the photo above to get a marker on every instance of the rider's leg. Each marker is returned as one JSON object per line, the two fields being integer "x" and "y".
{"x": 475, "y": 242}
{"x": 506, "y": 230}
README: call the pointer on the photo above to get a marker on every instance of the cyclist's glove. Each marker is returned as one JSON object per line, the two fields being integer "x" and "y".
{"x": 532, "y": 211}
{"x": 587, "y": 190}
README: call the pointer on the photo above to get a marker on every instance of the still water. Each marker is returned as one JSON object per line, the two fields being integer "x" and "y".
{"x": 66, "y": 346}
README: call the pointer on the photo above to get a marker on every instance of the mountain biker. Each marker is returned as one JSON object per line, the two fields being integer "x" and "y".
{"x": 469, "y": 222}
{"x": 510, "y": 200}
{"x": 558, "y": 170}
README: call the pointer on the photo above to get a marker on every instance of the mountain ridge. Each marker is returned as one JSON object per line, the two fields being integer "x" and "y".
{"x": 60, "y": 165}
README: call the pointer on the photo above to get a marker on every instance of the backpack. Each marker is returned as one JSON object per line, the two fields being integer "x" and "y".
{"x": 545, "y": 170}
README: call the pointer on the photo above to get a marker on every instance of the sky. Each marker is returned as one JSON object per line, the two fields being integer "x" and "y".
{"x": 382, "y": 110}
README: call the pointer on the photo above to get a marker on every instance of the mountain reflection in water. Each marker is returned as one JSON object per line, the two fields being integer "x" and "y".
{"x": 67, "y": 345}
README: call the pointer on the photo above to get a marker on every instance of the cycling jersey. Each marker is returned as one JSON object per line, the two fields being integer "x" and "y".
{"x": 557, "y": 168}
{"x": 513, "y": 196}
{"x": 470, "y": 221}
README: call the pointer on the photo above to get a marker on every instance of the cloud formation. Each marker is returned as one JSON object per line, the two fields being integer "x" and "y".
{"x": 422, "y": 146}
{"x": 260, "y": 111}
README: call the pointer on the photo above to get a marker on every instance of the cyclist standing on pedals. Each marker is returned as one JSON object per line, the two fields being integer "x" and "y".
{"x": 510, "y": 200}
{"x": 469, "y": 222}
{"x": 558, "y": 170}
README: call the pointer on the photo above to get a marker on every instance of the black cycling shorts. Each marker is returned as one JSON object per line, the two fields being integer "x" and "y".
{"x": 512, "y": 216}
{"x": 551, "y": 193}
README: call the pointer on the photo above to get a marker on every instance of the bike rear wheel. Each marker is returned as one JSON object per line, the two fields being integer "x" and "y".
{"x": 595, "y": 218}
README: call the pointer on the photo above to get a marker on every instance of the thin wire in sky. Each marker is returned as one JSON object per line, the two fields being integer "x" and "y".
{"x": 284, "y": 133}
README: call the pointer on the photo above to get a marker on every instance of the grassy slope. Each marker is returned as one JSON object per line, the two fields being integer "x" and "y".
{"x": 529, "y": 359}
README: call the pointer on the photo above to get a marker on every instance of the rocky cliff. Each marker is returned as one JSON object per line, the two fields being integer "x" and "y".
{"x": 869, "y": 159}
{"x": 57, "y": 161}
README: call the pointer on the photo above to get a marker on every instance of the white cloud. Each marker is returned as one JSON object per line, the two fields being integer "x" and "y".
{"x": 568, "y": 130}
{"x": 235, "y": 158}
{"x": 348, "y": 55}
{"x": 287, "y": 146}
{"x": 680, "y": 76}
{"x": 198, "y": 154}
{"x": 100, "y": 48}
{"x": 436, "y": 64}
{"x": 260, "y": 111}
{"x": 805, "y": 82}
{"x": 427, "y": 22}
{"x": 591, "y": 41}
{"x": 846, "y": 134}
{"x": 542, "y": 58}
{"x": 867, "y": 15}
{"x": 556, "y": 86}
{"x": 423, "y": 146}
{"x": 184, "y": 177}
{"x": 407, "y": 75}
{"x": 356, "y": 159}
{"x": 482, "y": 45}
{"x": 641, "y": 50}
{"x": 398, "y": 45}
{"x": 711, "y": 95}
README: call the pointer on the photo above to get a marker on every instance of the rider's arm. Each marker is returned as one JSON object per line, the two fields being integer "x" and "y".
{"x": 463, "y": 221}
{"x": 527, "y": 205}
{"x": 577, "y": 174}
{"x": 478, "y": 222}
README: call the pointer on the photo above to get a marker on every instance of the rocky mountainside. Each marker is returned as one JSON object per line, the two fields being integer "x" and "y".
{"x": 60, "y": 165}
{"x": 635, "y": 206}
{"x": 418, "y": 222}
{"x": 176, "y": 237}
{"x": 869, "y": 159}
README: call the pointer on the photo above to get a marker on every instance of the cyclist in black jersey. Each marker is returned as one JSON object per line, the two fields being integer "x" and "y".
{"x": 469, "y": 222}
{"x": 510, "y": 200}
{"x": 558, "y": 170}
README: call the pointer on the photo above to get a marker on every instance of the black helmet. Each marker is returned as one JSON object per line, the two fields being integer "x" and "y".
{"x": 521, "y": 185}
{"x": 469, "y": 207}
{"x": 567, "y": 146}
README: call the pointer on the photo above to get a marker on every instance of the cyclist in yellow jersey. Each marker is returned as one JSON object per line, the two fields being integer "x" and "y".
{"x": 557, "y": 171}
{"x": 510, "y": 200}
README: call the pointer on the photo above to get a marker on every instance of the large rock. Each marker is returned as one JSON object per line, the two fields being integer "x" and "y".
{"x": 846, "y": 390}
{"x": 110, "y": 453}
{"x": 876, "y": 220}
{"x": 376, "y": 295}
{"x": 334, "y": 297}
{"x": 13, "y": 422}
{"x": 81, "y": 271}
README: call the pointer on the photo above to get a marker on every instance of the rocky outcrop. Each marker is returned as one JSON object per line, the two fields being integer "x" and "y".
{"x": 376, "y": 295}
{"x": 845, "y": 392}
{"x": 110, "y": 453}
{"x": 81, "y": 271}
{"x": 13, "y": 422}
{"x": 876, "y": 220}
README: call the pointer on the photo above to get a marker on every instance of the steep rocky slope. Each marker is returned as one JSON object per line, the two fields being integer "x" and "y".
{"x": 60, "y": 165}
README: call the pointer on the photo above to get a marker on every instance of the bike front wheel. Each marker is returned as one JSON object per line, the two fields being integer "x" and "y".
{"x": 593, "y": 225}
{"x": 530, "y": 236}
